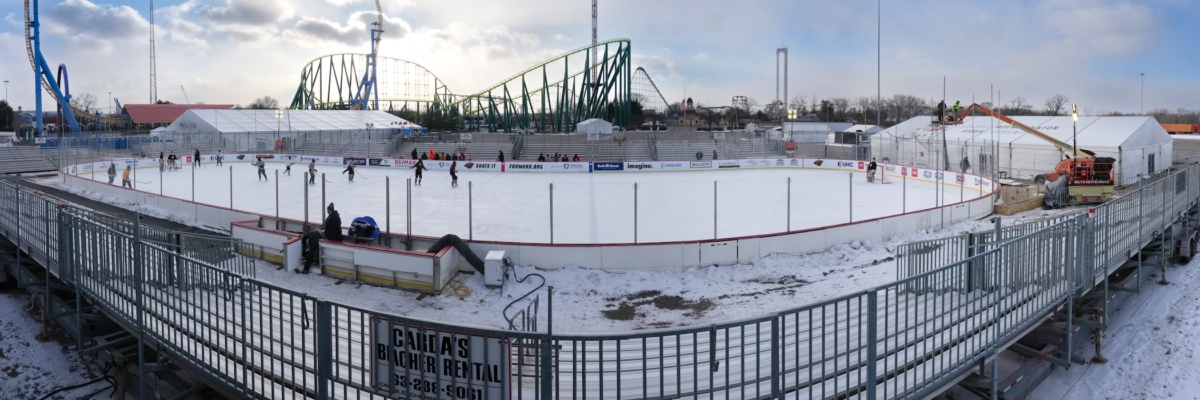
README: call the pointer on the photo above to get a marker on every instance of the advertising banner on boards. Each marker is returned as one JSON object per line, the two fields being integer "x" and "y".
{"x": 674, "y": 165}
{"x": 643, "y": 166}
{"x": 608, "y": 166}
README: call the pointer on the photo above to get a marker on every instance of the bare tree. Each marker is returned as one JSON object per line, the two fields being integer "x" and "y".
{"x": 1019, "y": 106}
{"x": 84, "y": 101}
{"x": 798, "y": 103}
{"x": 1056, "y": 104}
{"x": 264, "y": 103}
{"x": 840, "y": 106}
{"x": 904, "y": 106}
{"x": 865, "y": 106}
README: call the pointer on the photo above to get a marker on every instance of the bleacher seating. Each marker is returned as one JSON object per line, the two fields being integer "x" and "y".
{"x": 24, "y": 160}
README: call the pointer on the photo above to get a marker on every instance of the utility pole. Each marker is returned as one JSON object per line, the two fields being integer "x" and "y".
{"x": 153, "y": 74}
{"x": 879, "y": 64}
{"x": 784, "y": 51}
{"x": 595, "y": 76}
{"x": 1142, "y": 103}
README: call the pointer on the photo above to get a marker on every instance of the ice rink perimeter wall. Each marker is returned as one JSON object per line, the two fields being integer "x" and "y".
{"x": 655, "y": 256}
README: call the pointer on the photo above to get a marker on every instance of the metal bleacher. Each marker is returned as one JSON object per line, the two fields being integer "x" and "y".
{"x": 24, "y": 160}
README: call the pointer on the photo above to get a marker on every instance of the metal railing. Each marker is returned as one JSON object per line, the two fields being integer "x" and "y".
{"x": 906, "y": 339}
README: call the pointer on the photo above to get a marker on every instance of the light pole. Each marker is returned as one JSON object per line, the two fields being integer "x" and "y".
{"x": 1074, "y": 130}
{"x": 6, "y": 93}
{"x": 278, "y": 120}
{"x": 1141, "y": 103}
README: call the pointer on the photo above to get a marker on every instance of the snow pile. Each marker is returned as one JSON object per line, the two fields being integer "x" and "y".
{"x": 128, "y": 205}
{"x": 1152, "y": 350}
{"x": 29, "y": 369}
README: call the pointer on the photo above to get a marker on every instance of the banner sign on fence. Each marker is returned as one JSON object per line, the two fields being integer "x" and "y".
{"x": 608, "y": 166}
{"x": 428, "y": 364}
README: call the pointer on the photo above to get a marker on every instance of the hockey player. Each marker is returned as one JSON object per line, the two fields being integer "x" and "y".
{"x": 454, "y": 174}
{"x": 350, "y": 169}
{"x": 196, "y": 159}
{"x": 171, "y": 161}
{"x": 262, "y": 168}
{"x": 419, "y": 166}
{"x": 288, "y": 170}
{"x": 871, "y": 171}
{"x": 162, "y": 164}
{"x": 125, "y": 178}
{"x": 112, "y": 172}
{"x": 219, "y": 157}
{"x": 312, "y": 172}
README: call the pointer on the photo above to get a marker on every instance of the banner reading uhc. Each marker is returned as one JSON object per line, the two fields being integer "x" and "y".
{"x": 419, "y": 363}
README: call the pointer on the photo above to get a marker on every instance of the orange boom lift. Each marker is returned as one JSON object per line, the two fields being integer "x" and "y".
{"x": 1089, "y": 179}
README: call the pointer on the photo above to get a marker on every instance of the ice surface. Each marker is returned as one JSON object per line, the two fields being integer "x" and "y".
{"x": 587, "y": 207}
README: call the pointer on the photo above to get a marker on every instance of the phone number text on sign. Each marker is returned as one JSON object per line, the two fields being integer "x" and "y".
{"x": 419, "y": 363}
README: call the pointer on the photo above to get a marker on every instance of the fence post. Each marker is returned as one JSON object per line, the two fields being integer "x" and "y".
{"x": 387, "y": 204}
{"x": 193, "y": 184}
{"x": 470, "y": 210}
{"x": 277, "y": 221}
{"x": 551, "y": 213}
{"x": 323, "y": 204}
{"x": 776, "y": 349}
{"x": 904, "y": 195}
{"x": 545, "y": 354}
{"x": 714, "y": 209}
{"x": 408, "y": 218}
{"x": 635, "y": 211}
{"x": 872, "y": 338}
{"x": 324, "y": 347}
{"x": 230, "y": 187}
{"x": 851, "y": 186}
{"x": 306, "y": 178}
{"x": 789, "y": 204}
{"x": 138, "y": 280}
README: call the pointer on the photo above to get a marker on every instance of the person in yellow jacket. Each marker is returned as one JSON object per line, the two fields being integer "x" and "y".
{"x": 125, "y": 178}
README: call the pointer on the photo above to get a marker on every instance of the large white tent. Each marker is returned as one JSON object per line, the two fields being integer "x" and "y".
{"x": 1139, "y": 144}
{"x": 256, "y": 130}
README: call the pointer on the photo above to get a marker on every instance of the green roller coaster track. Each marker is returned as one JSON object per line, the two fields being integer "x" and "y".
{"x": 527, "y": 101}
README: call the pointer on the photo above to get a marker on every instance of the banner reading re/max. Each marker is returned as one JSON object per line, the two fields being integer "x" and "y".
{"x": 418, "y": 363}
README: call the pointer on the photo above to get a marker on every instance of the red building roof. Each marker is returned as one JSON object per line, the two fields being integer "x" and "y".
{"x": 165, "y": 113}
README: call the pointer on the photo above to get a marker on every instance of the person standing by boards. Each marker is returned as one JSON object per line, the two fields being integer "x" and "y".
{"x": 454, "y": 174}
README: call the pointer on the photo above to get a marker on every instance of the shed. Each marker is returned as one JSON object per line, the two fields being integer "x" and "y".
{"x": 594, "y": 126}
{"x": 1138, "y": 143}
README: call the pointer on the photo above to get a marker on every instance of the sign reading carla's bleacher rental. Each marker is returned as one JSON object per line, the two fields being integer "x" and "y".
{"x": 426, "y": 364}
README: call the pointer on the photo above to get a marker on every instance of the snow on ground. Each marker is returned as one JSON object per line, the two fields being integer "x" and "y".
{"x": 29, "y": 368}
{"x": 1152, "y": 346}
{"x": 155, "y": 212}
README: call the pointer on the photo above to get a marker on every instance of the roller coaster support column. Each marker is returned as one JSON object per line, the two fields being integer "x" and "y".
{"x": 42, "y": 70}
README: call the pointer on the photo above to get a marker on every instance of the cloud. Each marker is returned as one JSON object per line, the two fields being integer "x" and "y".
{"x": 249, "y": 12}
{"x": 1111, "y": 30}
{"x": 657, "y": 67}
{"x": 92, "y": 24}
{"x": 700, "y": 56}
{"x": 354, "y": 33}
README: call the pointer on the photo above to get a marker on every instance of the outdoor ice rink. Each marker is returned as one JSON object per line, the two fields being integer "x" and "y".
{"x": 587, "y": 207}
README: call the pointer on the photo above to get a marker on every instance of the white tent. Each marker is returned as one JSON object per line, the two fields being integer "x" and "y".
{"x": 251, "y": 130}
{"x": 594, "y": 126}
{"x": 1139, "y": 144}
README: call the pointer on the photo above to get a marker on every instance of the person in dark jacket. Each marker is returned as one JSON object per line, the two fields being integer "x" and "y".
{"x": 965, "y": 164}
{"x": 714, "y": 154}
{"x": 112, "y": 172}
{"x": 501, "y": 157}
{"x": 541, "y": 157}
{"x": 196, "y": 159}
{"x": 454, "y": 173}
{"x": 310, "y": 252}
{"x": 414, "y": 153}
{"x": 871, "y": 170}
{"x": 333, "y": 224}
{"x": 699, "y": 155}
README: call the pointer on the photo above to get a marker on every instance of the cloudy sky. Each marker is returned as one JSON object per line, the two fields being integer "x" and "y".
{"x": 231, "y": 51}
